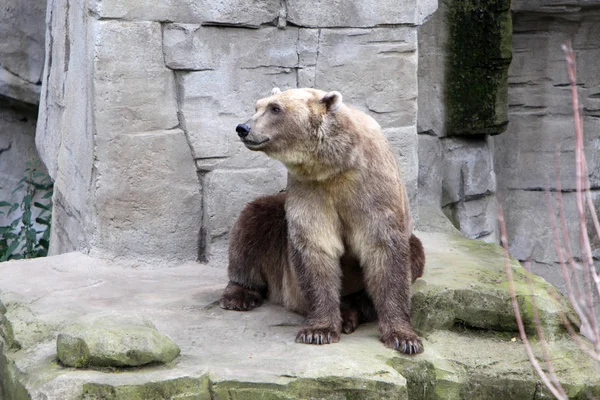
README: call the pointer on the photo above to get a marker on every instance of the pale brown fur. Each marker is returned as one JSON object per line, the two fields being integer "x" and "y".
{"x": 345, "y": 199}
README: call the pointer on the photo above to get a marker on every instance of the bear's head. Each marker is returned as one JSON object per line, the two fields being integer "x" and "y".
{"x": 296, "y": 126}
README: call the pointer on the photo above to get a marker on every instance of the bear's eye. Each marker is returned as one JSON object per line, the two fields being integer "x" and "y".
{"x": 275, "y": 109}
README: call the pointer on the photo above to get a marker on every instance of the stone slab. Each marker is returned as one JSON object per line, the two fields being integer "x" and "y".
{"x": 148, "y": 197}
{"x": 247, "y": 13}
{"x": 356, "y": 13}
{"x": 128, "y": 97}
{"x": 226, "y": 354}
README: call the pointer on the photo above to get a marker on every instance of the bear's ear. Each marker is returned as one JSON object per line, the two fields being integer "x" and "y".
{"x": 275, "y": 90}
{"x": 332, "y": 100}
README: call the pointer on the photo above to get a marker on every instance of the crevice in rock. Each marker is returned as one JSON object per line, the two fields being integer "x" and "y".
{"x": 298, "y": 59}
{"x": 282, "y": 18}
{"x": 317, "y": 59}
{"x": 233, "y": 25}
{"x": 2, "y": 150}
{"x": 179, "y": 97}
{"x": 552, "y": 190}
{"x": 67, "y": 40}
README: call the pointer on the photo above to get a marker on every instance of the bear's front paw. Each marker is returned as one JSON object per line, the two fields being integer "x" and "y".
{"x": 405, "y": 341}
{"x": 239, "y": 298}
{"x": 311, "y": 335}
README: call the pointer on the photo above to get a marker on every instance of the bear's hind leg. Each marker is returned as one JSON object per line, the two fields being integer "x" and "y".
{"x": 417, "y": 257}
{"x": 356, "y": 308}
{"x": 256, "y": 258}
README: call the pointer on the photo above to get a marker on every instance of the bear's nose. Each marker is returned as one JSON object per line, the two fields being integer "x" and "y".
{"x": 242, "y": 130}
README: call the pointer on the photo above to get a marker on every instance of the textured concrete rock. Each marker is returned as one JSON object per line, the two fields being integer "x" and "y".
{"x": 529, "y": 224}
{"x": 477, "y": 218}
{"x": 537, "y": 150}
{"x": 22, "y": 31}
{"x": 468, "y": 169}
{"x": 430, "y": 170}
{"x": 553, "y": 6}
{"x": 433, "y": 52}
{"x": 64, "y": 134}
{"x": 194, "y": 47}
{"x": 129, "y": 98}
{"x": 113, "y": 340}
{"x": 149, "y": 199}
{"x": 359, "y": 13}
{"x": 227, "y": 354}
{"x": 222, "y": 12}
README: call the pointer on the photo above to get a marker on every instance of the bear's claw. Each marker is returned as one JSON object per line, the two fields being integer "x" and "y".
{"x": 407, "y": 343}
{"x": 317, "y": 336}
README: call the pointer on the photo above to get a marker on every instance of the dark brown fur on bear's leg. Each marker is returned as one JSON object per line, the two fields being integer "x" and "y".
{"x": 356, "y": 308}
{"x": 387, "y": 278}
{"x": 417, "y": 257}
{"x": 255, "y": 244}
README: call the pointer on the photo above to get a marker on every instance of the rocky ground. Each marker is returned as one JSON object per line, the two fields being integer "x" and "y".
{"x": 461, "y": 308}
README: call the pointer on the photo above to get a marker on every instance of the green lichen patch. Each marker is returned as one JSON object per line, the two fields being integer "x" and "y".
{"x": 175, "y": 389}
{"x": 479, "y": 53}
{"x": 11, "y": 386}
{"x": 327, "y": 387}
{"x": 465, "y": 282}
{"x": 484, "y": 365}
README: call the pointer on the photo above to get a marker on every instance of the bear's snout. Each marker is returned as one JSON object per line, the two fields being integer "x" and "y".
{"x": 242, "y": 130}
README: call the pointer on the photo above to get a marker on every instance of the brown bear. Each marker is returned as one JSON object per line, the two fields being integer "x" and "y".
{"x": 337, "y": 246}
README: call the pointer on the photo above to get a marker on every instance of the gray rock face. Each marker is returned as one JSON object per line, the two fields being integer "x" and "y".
{"x": 537, "y": 151}
{"x": 22, "y": 31}
{"x": 113, "y": 340}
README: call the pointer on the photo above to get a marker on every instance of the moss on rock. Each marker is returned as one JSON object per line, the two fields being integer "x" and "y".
{"x": 479, "y": 53}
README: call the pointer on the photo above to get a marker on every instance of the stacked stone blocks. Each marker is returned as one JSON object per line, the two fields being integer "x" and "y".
{"x": 158, "y": 172}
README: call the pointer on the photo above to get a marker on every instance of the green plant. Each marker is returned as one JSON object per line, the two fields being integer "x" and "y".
{"x": 21, "y": 237}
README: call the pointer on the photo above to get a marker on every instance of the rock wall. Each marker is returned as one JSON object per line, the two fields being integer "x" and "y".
{"x": 21, "y": 63}
{"x": 462, "y": 101}
{"x": 539, "y": 142}
{"x": 140, "y": 101}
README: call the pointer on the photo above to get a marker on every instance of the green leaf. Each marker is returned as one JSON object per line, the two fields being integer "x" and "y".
{"x": 31, "y": 235}
{"x": 42, "y": 221}
{"x": 38, "y": 174}
{"x": 27, "y": 217}
{"x": 5, "y": 203}
{"x": 11, "y": 248}
{"x": 43, "y": 206}
{"x": 27, "y": 200}
{"x": 47, "y": 194}
{"x": 44, "y": 243}
{"x": 13, "y": 208}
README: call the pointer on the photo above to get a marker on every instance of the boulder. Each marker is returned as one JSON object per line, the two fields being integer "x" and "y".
{"x": 113, "y": 340}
